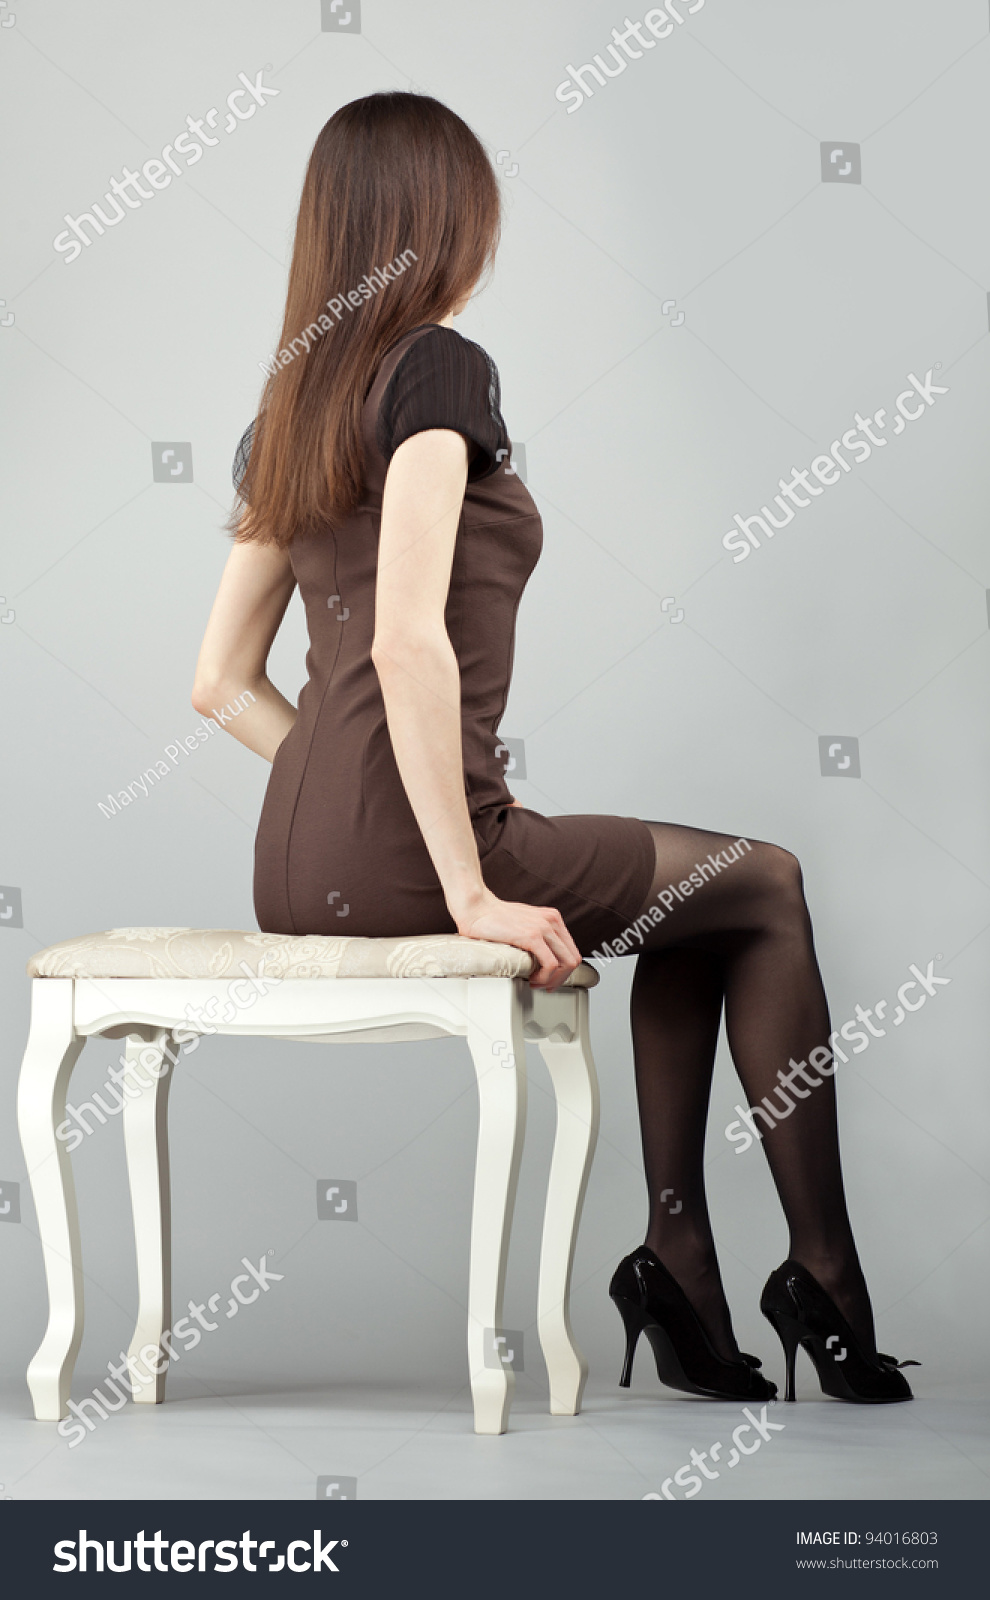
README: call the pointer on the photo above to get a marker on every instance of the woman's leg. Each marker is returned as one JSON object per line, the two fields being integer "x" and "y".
{"x": 676, "y": 1009}
{"x": 744, "y": 935}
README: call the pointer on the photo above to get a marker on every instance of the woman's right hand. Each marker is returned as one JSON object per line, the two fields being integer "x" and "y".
{"x": 539, "y": 929}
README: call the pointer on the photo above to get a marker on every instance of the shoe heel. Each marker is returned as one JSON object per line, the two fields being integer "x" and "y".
{"x": 634, "y": 1320}
{"x": 788, "y": 1331}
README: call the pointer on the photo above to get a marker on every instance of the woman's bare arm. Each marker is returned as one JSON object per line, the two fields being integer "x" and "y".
{"x": 420, "y": 682}
{"x": 254, "y": 592}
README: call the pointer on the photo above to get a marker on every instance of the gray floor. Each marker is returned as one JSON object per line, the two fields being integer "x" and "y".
{"x": 243, "y": 1441}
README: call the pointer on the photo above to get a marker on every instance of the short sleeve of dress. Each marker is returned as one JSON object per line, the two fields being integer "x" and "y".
{"x": 241, "y": 455}
{"x": 445, "y": 381}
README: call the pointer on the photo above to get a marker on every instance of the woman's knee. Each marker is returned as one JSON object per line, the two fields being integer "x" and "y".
{"x": 780, "y": 873}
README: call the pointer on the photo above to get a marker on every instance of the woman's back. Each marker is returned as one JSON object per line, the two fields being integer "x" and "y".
{"x": 337, "y": 838}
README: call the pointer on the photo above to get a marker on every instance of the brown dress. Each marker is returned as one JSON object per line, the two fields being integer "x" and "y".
{"x": 338, "y": 849}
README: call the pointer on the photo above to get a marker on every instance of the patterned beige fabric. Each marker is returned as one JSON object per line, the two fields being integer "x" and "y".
{"x": 217, "y": 952}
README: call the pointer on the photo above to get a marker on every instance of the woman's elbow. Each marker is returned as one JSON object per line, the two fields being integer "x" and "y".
{"x": 207, "y": 693}
{"x": 408, "y": 650}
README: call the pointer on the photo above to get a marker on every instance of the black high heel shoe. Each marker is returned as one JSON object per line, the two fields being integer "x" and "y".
{"x": 650, "y": 1301}
{"x": 797, "y": 1306}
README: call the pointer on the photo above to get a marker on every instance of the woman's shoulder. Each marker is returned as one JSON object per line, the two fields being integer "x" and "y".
{"x": 445, "y": 351}
{"x": 443, "y": 380}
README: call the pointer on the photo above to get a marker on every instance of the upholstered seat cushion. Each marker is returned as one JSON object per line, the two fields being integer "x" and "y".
{"x": 222, "y": 952}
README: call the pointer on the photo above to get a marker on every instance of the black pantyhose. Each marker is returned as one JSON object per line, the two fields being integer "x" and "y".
{"x": 744, "y": 939}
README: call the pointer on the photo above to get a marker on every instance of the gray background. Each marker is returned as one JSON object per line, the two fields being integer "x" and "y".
{"x": 693, "y": 177}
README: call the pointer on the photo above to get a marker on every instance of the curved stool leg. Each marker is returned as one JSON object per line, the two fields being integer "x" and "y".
{"x": 575, "y": 1084}
{"x": 149, "y": 1075}
{"x": 495, "y": 1037}
{"x": 52, "y": 1051}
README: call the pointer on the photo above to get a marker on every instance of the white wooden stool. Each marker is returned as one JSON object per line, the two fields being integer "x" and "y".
{"x": 158, "y": 988}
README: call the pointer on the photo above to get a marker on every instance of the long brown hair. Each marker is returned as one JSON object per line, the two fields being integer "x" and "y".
{"x": 400, "y": 198}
